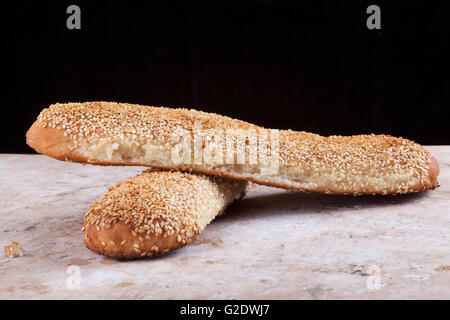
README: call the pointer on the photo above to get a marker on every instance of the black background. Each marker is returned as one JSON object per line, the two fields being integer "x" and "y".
{"x": 303, "y": 65}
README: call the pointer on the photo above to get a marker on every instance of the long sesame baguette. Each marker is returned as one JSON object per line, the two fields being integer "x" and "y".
{"x": 156, "y": 212}
{"x": 108, "y": 133}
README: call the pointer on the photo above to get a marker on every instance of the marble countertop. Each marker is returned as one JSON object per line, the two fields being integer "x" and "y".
{"x": 273, "y": 244}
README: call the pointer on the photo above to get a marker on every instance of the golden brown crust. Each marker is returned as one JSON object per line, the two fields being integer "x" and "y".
{"x": 118, "y": 242}
{"x": 366, "y": 164}
{"x": 156, "y": 212}
{"x": 52, "y": 142}
{"x": 433, "y": 173}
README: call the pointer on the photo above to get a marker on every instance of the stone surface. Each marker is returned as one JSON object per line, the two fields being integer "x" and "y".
{"x": 273, "y": 244}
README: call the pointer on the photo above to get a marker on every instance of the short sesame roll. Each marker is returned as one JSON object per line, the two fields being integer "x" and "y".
{"x": 156, "y": 212}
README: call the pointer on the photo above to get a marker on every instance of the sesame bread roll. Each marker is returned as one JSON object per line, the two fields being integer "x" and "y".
{"x": 108, "y": 133}
{"x": 156, "y": 212}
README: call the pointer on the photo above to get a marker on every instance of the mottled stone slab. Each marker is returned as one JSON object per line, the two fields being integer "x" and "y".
{"x": 273, "y": 244}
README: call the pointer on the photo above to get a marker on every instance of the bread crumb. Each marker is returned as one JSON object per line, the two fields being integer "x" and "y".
{"x": 14, "y": 250}
{"x": 442, "y": 268}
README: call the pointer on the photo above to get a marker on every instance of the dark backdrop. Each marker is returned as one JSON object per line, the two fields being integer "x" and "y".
{"x": 303, "y": 65}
